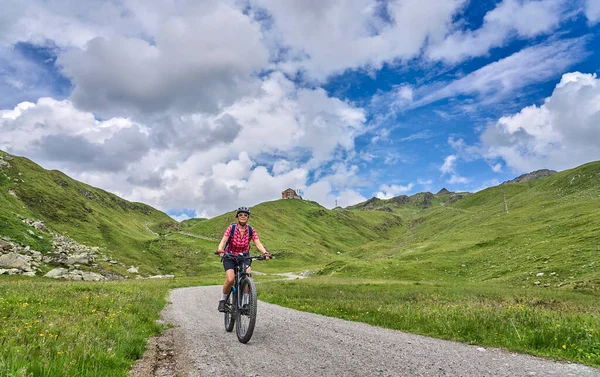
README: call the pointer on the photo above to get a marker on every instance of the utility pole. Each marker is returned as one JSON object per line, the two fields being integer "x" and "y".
{"x": 336, "y": 202}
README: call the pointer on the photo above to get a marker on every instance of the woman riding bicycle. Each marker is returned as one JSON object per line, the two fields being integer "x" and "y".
{"x": 238, "y": 243}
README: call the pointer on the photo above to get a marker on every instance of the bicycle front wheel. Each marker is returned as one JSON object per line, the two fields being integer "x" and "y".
{"x": 230, "y": 310}
{"x": 246, "y": 315}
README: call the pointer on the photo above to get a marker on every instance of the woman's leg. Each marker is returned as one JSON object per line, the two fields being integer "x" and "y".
{"x": 229, "y": 280}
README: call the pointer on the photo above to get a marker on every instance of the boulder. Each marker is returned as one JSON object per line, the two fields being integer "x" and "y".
{"x": 14, "y": 260}
{"x": 133, "y": 270}
{"x": 39, "y": 225}
{"x": 5, "y": 245}
{"x": 84, "y": 258}
{"x": 73, "y": 275}
{"x": 92, "y": 276}
{"x": 55, "y": 258}
{"x": 56, "y": 273}
{"x": 11, "y": 271}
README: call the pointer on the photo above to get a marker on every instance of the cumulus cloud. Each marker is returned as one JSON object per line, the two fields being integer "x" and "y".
{"x": 390, "y": 191}
{"x": 365, "y": 33}
{"x": 449, "y": 168}
{"x": 56, "y": 132}
{"x": 287, "y": 118}
{"x": 592, "y": 10}
{"x": 526, "y": 19}
{"x": 208, "y": 163}
{"x": 188, "y": 67}
{"x": 562, "y": 133}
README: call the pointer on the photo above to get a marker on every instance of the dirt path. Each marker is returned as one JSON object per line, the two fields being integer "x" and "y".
{"x": 292, "y": 343}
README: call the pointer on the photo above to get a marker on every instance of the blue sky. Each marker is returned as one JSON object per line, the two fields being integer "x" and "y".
{"x": 199, "y": 107}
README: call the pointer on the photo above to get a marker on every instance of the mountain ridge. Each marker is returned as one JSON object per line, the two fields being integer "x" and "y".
{"x": 506, "y": 233}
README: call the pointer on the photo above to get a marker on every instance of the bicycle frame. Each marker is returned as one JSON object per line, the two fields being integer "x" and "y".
{"x": 244, "y": 316}
{"x": 239, "y": 274}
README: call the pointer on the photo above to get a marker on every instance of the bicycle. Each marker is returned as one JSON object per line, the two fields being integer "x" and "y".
{"x": 240, "y": 309}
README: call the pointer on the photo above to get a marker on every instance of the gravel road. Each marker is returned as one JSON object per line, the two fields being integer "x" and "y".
{"x": 292, "y": 343}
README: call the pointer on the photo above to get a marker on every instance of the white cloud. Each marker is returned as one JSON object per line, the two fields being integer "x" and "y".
{"x": 194, "y": 63}
{"x": 390, "y": 191}
{"x": 449, "y": 168}
{"x": 592, "y": 10}
{"x": 497, "y": 168}
{"x": 365, "y": 33}
{"x": 281, "y": 166}
{"x": 498, "y": 80}
{"x": 562, "y": 133}
{"x": 28, "y": 124}
{"x": 291, "y": 119}
{"x": 203, "y": 162}
{"x": 457, "y": 179}
{"x": 349, "y": 198}
{"x": 526, "y": 19}
{"x": 181, "y": 217}
{"x": 448, "y": 165}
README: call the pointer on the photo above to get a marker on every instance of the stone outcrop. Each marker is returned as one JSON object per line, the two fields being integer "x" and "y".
{"x": 68, "y": 255}
{"x": 63, "y": 273}
{"x": 531, "y": 176}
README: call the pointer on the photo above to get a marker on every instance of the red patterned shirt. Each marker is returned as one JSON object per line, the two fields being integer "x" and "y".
{"x": 239, "y": 243}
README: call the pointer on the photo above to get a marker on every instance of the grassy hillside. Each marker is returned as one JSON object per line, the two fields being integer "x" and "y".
{"x": 128, "y": 231}
{"x": 305, "y": 234}
{"x": 405, "y": 204}
{"x": 550, "y": 228}
{"x": 542, "y": 232}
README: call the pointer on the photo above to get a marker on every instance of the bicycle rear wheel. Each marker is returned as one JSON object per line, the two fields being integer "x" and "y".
{"x": 230, "y": 310}
{"x": 246, "y": 315}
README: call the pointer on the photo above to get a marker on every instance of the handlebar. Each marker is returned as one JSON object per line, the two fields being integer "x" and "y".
{"x": 239, "y": 256}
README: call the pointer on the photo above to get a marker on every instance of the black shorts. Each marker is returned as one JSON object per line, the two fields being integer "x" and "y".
{"x": 229, "y": 264}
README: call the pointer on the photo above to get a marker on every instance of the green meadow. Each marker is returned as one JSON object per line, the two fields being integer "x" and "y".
{"x": 512, "y": 266}
{"x": 59, "y": 328}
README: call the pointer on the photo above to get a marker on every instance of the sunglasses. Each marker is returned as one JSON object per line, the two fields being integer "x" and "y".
{"x": 242, "y": 214}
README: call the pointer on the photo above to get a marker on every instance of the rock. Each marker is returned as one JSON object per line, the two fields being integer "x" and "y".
{"x": 84, "y": 258}
{"x": 73, "y": 275}
{"x": 35, "y": 255}
{"x": 39, "y": 225}
{"x": 92, "y": 276}
{"x": 539, "y": 274}
{"x": 14, "y": 260}
{"x": 161, "y": 277}
{"x": 537, "y": 283}
{"x": 5, "y": 245}
{"x": 11, "y": 271}
{"x": 56, "y": 273}
{"x": 55, "y": 258}
{"x": 531, "y": 176}
{"x": 133, "y": 270}
{"x": 29, "y": 273}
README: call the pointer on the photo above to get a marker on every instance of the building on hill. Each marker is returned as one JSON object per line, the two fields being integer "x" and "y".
{"x": 290, "y": 194}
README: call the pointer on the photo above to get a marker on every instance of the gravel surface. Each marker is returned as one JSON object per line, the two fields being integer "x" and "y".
{"x": 292, "y": 343}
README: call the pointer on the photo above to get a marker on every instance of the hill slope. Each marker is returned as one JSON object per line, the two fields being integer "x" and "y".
{"x": 542, "y": 232}
{"x": 539, "y": 233}
{"x": 408, "y": 204}
{"x": 124, "y": 230}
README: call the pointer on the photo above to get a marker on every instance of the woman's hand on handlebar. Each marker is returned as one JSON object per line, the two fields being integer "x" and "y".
{"x": 220, "y": 252}
{"x": 267, "y": 255}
